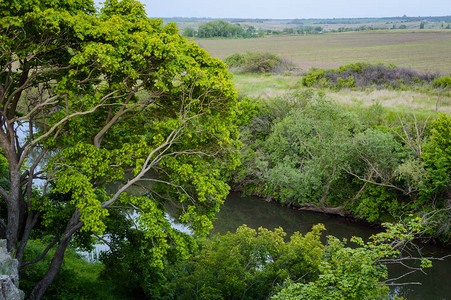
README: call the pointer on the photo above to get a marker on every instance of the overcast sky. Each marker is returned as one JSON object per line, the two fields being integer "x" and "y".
{"x": 291, "y": 9}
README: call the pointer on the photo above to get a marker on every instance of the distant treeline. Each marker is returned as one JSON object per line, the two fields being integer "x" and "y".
{"x": 224, "y": 29}
{"x": 379, "y": 20}
{"x": 221, "y": 28}
{"x": 317, "y": 21}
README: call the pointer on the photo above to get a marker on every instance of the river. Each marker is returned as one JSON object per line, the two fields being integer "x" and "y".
{"x": 254, "y": 212}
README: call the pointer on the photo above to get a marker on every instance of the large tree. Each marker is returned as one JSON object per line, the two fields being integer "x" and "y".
{"x": 89, "y": 99}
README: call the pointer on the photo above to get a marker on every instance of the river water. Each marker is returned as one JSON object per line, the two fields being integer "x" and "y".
{"x": 254, "y": 212}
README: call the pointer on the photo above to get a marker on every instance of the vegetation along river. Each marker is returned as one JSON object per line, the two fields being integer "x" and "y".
{"x": 255, "y": 212}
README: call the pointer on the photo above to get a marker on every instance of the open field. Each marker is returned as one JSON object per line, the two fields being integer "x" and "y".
{"x": 420, "y": 50}
{"x": 263, "y": 86}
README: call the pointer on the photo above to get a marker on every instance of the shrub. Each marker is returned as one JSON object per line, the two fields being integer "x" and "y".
{"x": 442, "y": 82}
{"x": 235, "y": 60}
{"x": 364, "y": 74}
{"x": 259, "y": 62}
{"x": 313, "y": 77}
{"x": 248, "y": 264}
{"x": 376, "y": 203}
{"x": 345, "y": 83}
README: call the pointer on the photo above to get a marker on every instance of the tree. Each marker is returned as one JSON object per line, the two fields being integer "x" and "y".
{"x": 307, "y": 153}
{"x": 93, "y": 99}
{"x": 248, "y": 264}
{"x": 258, "y": 264}
{"x": 435, "y": 186}
{"x": 359, "y": 272}
{"x": 220, "y": 28}
{"x": 189, "y": 32}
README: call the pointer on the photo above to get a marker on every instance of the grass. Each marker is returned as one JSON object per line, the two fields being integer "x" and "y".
{"x": 265, "y": 85}
{"x": 268, "y": 86}
{"x": 419, "y": 50}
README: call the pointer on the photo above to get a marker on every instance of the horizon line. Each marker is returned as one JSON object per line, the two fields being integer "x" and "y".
{"x": 322, "y": 18}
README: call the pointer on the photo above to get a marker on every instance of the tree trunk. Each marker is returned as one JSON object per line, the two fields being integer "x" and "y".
{"x": 328, "y": 210}
{"x": 13, "y": 204}
{"x": 29, "y": 224}
{"x": 55, "y": 266}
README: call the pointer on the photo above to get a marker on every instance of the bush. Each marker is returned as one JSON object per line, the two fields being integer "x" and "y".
{"x": 442, "y": 82}
{"x": 313, "y": 77}
{"x": 364, "y": 74}
{"x": 235, "y": 60}
{"x": 259, "y": 62}
{"x": 248, "y": 264}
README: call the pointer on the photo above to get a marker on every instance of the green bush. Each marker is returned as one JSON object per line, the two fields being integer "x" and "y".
{"x": 313, "y": 77}
{"x": 356, "y": 272}
{"x": 248, "y": 264}
{"x": 442, "y": 82}
{"x": 235, "y": 60}
{"x": 259, "y": 62}
{"x": 345, "y": 83}
{"x": 376, "y": 203}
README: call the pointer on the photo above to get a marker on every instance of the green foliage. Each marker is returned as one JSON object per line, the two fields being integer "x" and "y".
{"x": 437, "y": 155}
{"x": 345, "y": 83}
{"x": 4, "y": 171}
{"x": 189, "y": 32}
{"x": 258, "y": 264}
{"x": 354, "y": 272}
{"x": 129, "y": 263}
{"x": 442, "y": 82}
{"x": 436, "y": 184}
{"x": 220, "y": 28}
{"x": 248, "y": 264}
{"x": 77, "y": 279}
{"x": 250, "y": 177}
{"x": 114, "y": 96}
{"x": 373, "y": 116}
{"x": 307, "y": 151}
{"x": 313, "y": 77}
{"x": 258, "y": 62}
{"x": 377, "y": 154}
{"x": 235, "y": 60}
{"x": 375, "y": 203}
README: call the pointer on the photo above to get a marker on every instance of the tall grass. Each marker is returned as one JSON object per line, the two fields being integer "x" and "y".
{"x": 269, "y": 86}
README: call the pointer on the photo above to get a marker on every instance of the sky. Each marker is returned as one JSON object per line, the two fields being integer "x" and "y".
{"x": 292, "y": 9}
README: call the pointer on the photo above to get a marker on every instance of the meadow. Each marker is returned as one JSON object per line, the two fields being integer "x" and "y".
{"x": 267, "y": 86}
{"x": 423, "y": 50}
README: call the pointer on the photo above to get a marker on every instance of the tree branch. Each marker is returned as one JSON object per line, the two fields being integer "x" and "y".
{"x": 39, "y": 258}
